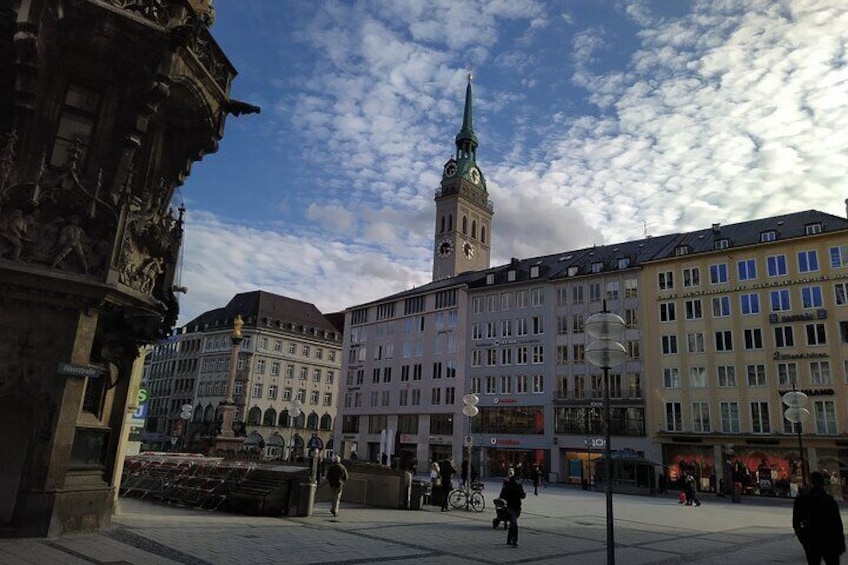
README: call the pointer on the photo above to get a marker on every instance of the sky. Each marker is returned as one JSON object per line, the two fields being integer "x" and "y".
{"x": 599, "y": 121}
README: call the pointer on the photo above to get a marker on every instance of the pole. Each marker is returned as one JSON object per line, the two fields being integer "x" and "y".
{"x": 798, "y": 425}
{"x": 608, "y": 457}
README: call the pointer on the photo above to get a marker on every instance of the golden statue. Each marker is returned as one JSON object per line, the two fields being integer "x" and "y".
{"x": 237, "y": 324}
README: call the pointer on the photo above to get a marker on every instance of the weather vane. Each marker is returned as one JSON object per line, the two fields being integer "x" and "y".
{"x": 469, "y": 67}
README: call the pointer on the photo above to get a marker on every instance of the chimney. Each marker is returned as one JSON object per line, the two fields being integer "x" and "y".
{"x": 716, "y": 228}
{"x": 515, "y": 260}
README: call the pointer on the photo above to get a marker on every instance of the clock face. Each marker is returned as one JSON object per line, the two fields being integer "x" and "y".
{"x": 445, "y": 248}
{"x": 475, "y": 175}
{"x": 450, "y": 169}
{"x": 468, "y": 250}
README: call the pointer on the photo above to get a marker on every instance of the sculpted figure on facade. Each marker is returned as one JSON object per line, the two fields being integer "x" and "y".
{"x": 72, "y": 240}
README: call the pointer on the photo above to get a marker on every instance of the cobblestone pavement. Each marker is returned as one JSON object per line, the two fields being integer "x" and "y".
{"x": 559, "y": 525}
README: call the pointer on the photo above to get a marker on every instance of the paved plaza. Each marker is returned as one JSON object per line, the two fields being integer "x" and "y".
{"x": 558, "y": 526}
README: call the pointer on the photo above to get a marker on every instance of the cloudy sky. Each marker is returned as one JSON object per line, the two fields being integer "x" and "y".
{"x": 598, "y": 120}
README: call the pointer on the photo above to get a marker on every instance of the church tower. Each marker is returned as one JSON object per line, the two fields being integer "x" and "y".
{"x": 463, "y": 238}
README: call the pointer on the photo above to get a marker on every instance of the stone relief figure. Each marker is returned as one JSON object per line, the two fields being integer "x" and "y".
{"x": 71, "y": 239}
{"x": 148, "y": 274}
{"x": 13, "y": 230}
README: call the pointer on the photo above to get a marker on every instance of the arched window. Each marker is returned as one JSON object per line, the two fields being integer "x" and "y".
{"x": 270, "y": 417}
{"x": 483, "y": 234}
{"x": 198, "y": 413}
{"x": 299, "y": 421}
{"x": 312, "y": 422}
{"x": 208, "y": 414}
{"x": 254, "y": 416}
{"x": 443, "y": 225}
{"x": 276, "y": 440}
{"x": 326, "y": 422}
{"x": 474, "y": 228}
{"x": 284, "y": 419}
{"x": 464, "y": 224}
{"x": 450, "y": 222}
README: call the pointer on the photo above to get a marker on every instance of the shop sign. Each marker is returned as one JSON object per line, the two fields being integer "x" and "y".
{"x": 349, "y": 437}
{"x": 504, "y": 401}
{"x": 408, "y": 438}
{"x": 496, "y": 441}
{"x": 811, "y": 392}
{"x": 437, "y": 440}
{"x": 778, "y": 356}
{"x": 805, "y": 317}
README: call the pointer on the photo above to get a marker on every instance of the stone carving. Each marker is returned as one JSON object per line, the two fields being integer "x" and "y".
{"x": 13, "y": 231}
{"x": 72, "y": 239}
{"x": 154, "y": 10}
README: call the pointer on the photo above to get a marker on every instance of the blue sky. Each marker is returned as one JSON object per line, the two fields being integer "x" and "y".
{"x": 598, "y": 120}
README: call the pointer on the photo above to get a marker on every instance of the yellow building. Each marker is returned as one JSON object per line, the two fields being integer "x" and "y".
{"x": 732, "y": 317}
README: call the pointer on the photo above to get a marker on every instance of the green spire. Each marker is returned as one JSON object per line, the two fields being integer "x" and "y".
{"x": 466, "y": 141}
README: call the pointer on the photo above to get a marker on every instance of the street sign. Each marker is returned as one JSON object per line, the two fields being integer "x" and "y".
{"x": 468, "y": 440}
{"x": 79, "y": 371}
{"x": 596, "y": 404}
{"x": 595, "y": 442}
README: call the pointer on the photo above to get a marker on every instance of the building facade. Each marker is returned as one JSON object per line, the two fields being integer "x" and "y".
{"x": 286, "y": 382}
{"x": 104, "y": 107}
{"x": 735, "y": 316}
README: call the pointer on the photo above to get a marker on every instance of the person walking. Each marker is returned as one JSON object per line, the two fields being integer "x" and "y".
{"x": 513, "y": 493}
{"x": 447, "y": 469}
{"x": 536, "y": 475}
{"x": 817, "y": 523}
{"x": 336, "y": 477}
{"x": 691, "y": 490}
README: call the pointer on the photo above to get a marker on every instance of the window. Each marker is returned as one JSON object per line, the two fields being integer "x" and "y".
{"x": 841, "y": 293}
{"x": 624, "y": 262}
{"x": 692, "y": 277}
{"x": 726, "y": 375}
{"x": 562, "y": 354}
{"x": 316, "y": 375}
{"x": 813, "y": 229}
{"x": 631, "y": 288}
{"x": 633, "y": 350}
{"x": 698, "y": 377}
{"x": 275, "y": 369}
{"x": 681, "y": 250}
{"x": 669, "y": 344}
{"x": 816, "y": 334}
{"x": 767, "y": 236}
{"x": 693, "y": 309}
{"x": 724, "y": 340}
{"x": 784, "y": 336}
{"x": 597, "y": 267}
{"x": 538, "y": 354}
{"x": 723, "y": 243}
{"x": 562, "y": 325}
{"x": 521, "y": 326}
{"x": 578, "y": 353}
{"x": 730, "y": 417}
{"x": 671, "y": 377}
{"x": 780, "y": 300}
{"x": 665, "y": 280}
{"x": 667, "y": 313}
{"x": 701, "y": 417}
{"x": 538, "y": 384}
{"x": 753, "y": 338}
{"x": 631, "y": 317}
{"x": 811, "y": 296}
{"x": 306, "y": 351}
{"x": 477, "y": 304}
{"x": 76, "y": 123}
{"x": 750, "y": 304}
{"x": 820, "y": 373}
{"x": 756, "y": 375}
{"x": 747, "y": 269}
{"x": 577, "y": 323}
{"x": 506, "y": 328}
{"x": 839, "y": 256}
{"x": 521, "y": 355}
{"x": 760, "y": 418}
{"x": 612, "y": 290}
{"x": 538, "y": 325}
{"x": 257, "y": 390}
{"x": 808, "y": 261}
{"x": 673, "y": 417}
{"x": 475, "y": 331}
{"x": 718, "y": 273}
{"x": 521, "y": 299}
{"x": 492, "y": 303}
{"x": 594, "y": 292}
{"x": 577, "y": 294}
{"x": 537, "y": 297}
{"x": 506, "y": 301}
{"x": 787, "y": 374}
{"x": 825, "y": 411}
{"x": 695, "y": 342}
{"x": 776, "y": 265}
{"x": 721, "y": 307}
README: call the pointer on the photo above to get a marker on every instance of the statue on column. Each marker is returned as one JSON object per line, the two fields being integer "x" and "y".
{"x": 237, "y": 325}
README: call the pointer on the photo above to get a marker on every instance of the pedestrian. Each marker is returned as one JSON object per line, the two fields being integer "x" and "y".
{"x": 817, "y": 523}
{"x": 691, "y": 488}
{"x": 536, "y": 475}
{"x": 336, "y": 477}
{"x": 463, "y": 472}
{"x": 513, "y": 493}
{"x": 447, "y": 469}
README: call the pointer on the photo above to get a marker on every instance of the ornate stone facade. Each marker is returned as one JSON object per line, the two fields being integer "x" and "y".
{"x": 104, "y": 106}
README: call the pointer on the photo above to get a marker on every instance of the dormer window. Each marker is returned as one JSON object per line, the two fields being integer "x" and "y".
{"x": 723, "y": 243}
{"x": 767, "y": 236}
{"x": 572, "y": 271}
{"x": 813, "y": 229}
{"x": 597, "y": 266}
{"x": 510, "y": 275}
{"x": 534, "y": 272}
{"x": 624, "y": 262}
{"x": 681, "y": 250}
{"x": 490, "y": 278}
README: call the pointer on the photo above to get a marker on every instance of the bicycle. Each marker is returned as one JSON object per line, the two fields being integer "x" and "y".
{"x": 470, "y": 498}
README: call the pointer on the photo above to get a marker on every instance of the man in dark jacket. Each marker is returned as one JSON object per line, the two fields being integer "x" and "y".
{"x": 447, "y": 469}
{"x": 818, "y": 525}
{"x": 336, "y": 476}
{"x": 513, "y": 493}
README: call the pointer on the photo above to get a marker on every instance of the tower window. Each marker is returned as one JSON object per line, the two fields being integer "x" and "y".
{"x": 483, "y": 234}
{"x": 464, "y": 224}
{"x": 443, "y": 225}
{"x": 450, "y": 222}
{"x": 474, "y": 228}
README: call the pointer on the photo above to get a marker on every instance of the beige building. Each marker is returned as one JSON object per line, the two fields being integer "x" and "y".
{"x": 732, "y": 317}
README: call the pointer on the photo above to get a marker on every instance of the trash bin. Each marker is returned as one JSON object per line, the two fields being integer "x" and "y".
{"x": 736, "y": 495}
{"x": 304, "y": 498}
{"x": 418, "y": 494}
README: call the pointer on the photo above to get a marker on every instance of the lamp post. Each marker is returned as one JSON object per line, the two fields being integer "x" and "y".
{"x": 797, "y": 413}
{"x": 294, "y": 412}
{"x": 470, "y": 410}
{"x": 605, "y": 353}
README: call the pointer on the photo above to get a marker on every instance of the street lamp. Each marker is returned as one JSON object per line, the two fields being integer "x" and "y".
{"x": 470, "y": 409}
{"x": 605, "y": 352}
{"x": 797, "y": 413}
{"x": 294, "y": 412}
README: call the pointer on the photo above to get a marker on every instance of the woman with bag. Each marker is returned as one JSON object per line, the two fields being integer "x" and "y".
{"x": 513, "y": 493}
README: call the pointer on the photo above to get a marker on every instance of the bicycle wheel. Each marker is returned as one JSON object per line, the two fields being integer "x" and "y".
{"x": 478, "y": 502}
{"x": 457, "y": 499}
